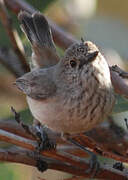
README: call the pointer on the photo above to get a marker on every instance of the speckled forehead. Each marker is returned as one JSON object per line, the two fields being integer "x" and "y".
{"x": 77, "y": 49}
{"x": 81, "y": 49}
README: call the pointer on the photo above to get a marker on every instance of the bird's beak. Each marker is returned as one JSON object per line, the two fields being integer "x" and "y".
{"x": 92, "y": 56}
{"x": 89, "y": 58}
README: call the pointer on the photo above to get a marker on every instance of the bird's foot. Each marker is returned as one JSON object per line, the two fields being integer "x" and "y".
{"x": 38, "y": 132}
{"x": 44, "y": 142}
{"x": 119, "y": 166}
{"x": 94, "y": 163}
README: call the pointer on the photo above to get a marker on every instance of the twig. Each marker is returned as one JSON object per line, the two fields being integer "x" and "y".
{"x": 121, "y": 72}
{"x": 11, "y": 62}
{"x": 7, "y": 23}
{"x": 86, "y": 141}
{"x": 97, "y": 147}
{"x": 126, "y": 122}
{"x": 53, "y": 162}
{"x": 119, "y": 85}
{"x": 19, "y": 121}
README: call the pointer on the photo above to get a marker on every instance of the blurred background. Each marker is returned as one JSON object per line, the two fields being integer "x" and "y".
{"x": 103, "y": 22}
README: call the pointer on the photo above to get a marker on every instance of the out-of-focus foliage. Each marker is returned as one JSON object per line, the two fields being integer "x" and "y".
{"x": 5, "y": 172}
{"x": 121, "y": 105}
{"x": 40, "y": 4}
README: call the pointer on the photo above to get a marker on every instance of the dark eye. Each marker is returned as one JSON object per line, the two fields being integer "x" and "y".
{"x": 73, "y": 63}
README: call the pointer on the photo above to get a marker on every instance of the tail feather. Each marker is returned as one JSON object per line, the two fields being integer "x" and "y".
{"x": 43, "y": 31}
{"x": 37, "y": 29}
{"x": 27, "y": 26}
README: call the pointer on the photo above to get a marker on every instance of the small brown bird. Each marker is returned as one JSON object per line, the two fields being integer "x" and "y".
{"x": 75, "y": 93}
{"x": 72, "y": 96}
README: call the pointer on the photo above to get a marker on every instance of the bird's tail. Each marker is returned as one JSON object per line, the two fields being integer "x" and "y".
{"x": 38, "y": 32}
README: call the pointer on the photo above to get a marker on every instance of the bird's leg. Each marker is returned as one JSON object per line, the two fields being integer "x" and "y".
{"x": 37, "y": 131}
{"x": 94, "y": 163}
{"x": 44, "y": 142}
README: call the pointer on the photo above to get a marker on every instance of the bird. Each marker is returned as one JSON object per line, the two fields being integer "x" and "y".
{"x": 71, "y": 94}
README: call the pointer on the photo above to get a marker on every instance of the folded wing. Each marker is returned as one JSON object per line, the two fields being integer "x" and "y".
{"x": 37, "y": 84}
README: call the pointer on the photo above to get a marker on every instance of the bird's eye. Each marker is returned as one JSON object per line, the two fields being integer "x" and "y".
{"x": 73, "y": 63}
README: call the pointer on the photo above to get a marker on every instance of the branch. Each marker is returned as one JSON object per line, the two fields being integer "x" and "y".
{"x": 121, "y": 72}
{"x": 119, "y": 84}
{"x": 11, "y": 62}
{"x": 54, "y": 159}
{"x": 13, "y": 35}
{"x": 98, "y": 148}
{"x": 110, "y": 147}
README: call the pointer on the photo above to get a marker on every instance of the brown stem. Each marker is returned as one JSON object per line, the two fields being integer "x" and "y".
{"x": 11, "y": 62}
{"x": 119, "y": 84}
{"x": 97, "y": 147}
{"x": 53, "y": 163}
{"x": 121, "y": 72}
{"x": 7, "y": 23}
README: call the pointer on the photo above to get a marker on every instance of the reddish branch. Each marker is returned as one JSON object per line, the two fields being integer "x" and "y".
{"x": 76, "y": 167}
{"x": 110, "y": 148}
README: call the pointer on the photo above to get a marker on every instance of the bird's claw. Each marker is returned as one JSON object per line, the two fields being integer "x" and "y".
{"x": 94, "y": 166}
{"x": 44, "y": 143}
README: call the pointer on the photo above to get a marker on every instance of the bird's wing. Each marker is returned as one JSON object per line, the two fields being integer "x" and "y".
{"x": 37, "y": 84}
{"x": 37, "y": 29}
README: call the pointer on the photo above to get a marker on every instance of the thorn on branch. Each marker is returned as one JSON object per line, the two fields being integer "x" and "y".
{"x": 44, "y": 143}
{"x": 126, "y": 122}
{"x": 41, "y": 165}
{"x": 18, "y": 120}
{"x": 119, "y": 166}
{"x": 13, "y": 35}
